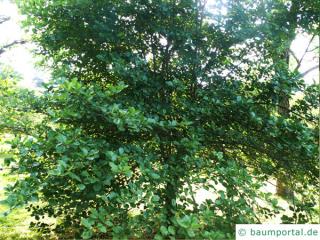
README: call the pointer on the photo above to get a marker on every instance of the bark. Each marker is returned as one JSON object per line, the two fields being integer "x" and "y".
{"x": 282, "y": 188}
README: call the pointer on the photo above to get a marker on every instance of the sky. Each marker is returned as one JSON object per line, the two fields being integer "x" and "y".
{"x": 24, "y": 62}
{"x": 19, "y": 57}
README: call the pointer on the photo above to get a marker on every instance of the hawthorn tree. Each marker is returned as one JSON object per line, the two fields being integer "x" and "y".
{"x": 151, "y": 101}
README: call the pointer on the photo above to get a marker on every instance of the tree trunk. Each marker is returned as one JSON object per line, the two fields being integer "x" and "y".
{"x": 282, "y": 188}
{"x": 284, "y": 104}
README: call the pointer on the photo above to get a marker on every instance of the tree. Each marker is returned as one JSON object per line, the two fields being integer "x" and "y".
{"x": 288, "y": 19}
{"x": 150, "y": 101}
{"x": 270, "y": 27}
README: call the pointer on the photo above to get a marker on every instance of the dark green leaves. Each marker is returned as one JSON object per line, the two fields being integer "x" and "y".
{"x": 153, "y": 101}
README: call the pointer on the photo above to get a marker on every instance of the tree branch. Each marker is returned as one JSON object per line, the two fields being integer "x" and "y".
{"x": 195, "y": 205}
{"x": 313, "y": 49}
{"x": 308, "y": 71}
{"x": 304, "y": 54}
{"x": 294, "y": 56}
{"x": 4, "y": 19}
{"x": 5, "y": 47}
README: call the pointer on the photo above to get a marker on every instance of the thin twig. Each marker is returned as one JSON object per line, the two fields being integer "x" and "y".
{"x": 5, "y": 47}
{"x": 195, "y": 205}
{"x": 294, "y": 56}
{"x": 309, "y": 70}
{"x": 313, "y": 49}
{"x": 304, "y": 54}
{"x": 4, "y": 19}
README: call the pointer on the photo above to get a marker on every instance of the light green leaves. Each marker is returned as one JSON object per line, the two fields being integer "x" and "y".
{"x": 155, "y": 198}
{"x": 102, "y": 228}
{"x": 190, "y": 224}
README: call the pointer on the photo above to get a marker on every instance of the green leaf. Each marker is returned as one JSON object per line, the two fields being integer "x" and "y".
{"x": 102, "y": 228}
{"x": 121, "y": 151}
{"x": 171, "y": 230}
{"x": 191, "y": 233}
{"x": 85, "y": 222}
{"x": 87, "y": 234}
{"x": 84, "y": 150}
{"x": 155, "y": 176}
{"x": 184, "y": 222}
{"x": 164, "y": 230}
{"x": 74, "y": 176}
{"x": 239, "y": 99}
{"x": 97, "y": 187}
{"x": 155, "y": 198}
{"x": 114, "y": 167}
{"x": 61, "y": 138}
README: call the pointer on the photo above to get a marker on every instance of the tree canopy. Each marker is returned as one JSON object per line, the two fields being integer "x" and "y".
{"x": 152, "y": 100}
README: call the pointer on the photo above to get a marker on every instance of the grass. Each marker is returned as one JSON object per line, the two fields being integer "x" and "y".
{"x": 16, "y": 224}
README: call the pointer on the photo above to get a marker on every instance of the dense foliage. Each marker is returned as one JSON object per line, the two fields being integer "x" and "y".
{"x": 152, "y": 100}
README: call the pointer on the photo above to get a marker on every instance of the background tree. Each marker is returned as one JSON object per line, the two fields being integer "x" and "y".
{"x": 271, "y": 26}
{"x": 289, "y": 18}
{"x": 14, "y": 102}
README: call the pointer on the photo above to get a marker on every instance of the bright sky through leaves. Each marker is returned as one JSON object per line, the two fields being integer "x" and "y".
{"x": 21, "y": 59}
